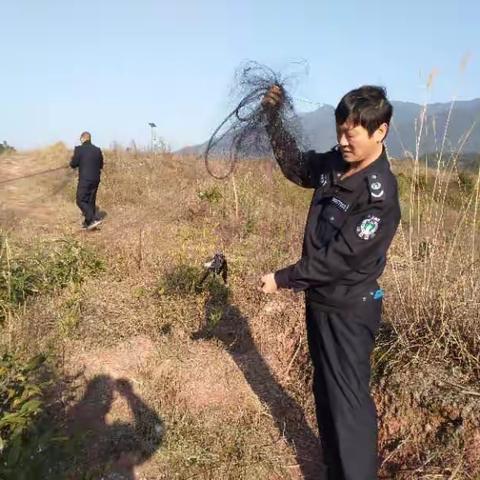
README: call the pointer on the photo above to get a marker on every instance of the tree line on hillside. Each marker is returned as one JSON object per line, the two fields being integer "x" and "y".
{"x": 5, "y": 147}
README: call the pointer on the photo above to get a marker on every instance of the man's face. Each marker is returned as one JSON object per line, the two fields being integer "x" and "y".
{"x": 356, "y": 144}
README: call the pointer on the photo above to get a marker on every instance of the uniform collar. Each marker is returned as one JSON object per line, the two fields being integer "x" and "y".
{"x": 352, "y": 183}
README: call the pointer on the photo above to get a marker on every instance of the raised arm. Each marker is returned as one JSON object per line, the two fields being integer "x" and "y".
{"x": 299, "y": 167}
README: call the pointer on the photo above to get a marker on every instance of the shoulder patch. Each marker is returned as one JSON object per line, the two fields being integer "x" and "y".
{"x": 376, "y": 187}
{"x": 368, "y": 227}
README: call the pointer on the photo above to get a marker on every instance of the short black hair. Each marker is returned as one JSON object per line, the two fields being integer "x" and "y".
{"x": 367, "y": 106}
{"x": 86, "y": 137}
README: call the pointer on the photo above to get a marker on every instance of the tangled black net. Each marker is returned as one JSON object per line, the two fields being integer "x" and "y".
{"x": 242, "y": 134}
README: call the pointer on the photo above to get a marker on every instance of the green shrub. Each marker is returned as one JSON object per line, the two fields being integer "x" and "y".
{"x": 5, "y": 148}
{"x": 180, "y": 280}
{"x": 211, "y": 195}
{"x": 24, "y": 437}
{"x": 47, "y": 268}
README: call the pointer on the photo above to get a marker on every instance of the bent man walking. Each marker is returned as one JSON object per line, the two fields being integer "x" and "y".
{"x": 352, "y": 220}
{"x": 89, "y": 160}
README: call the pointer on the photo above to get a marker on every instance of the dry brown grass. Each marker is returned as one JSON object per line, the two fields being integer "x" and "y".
{"x": 229, "y": 372}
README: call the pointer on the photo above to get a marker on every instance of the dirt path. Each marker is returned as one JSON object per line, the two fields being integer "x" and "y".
{"x": 30, "y": 196}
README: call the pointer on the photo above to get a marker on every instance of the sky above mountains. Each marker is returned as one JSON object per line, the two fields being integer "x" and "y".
{"x": 111, "y": 67}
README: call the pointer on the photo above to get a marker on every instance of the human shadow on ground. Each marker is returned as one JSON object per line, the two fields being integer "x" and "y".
{"x": 225, "y": 322}
{"x": 117, "y": 447}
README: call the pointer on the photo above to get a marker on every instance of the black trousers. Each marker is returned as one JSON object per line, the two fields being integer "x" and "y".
{"x": 340, "y": 343}
{"x": 87, "y": 197}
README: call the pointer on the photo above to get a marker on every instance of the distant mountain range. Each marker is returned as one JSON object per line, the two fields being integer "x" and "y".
{"x": 319, "y": 128}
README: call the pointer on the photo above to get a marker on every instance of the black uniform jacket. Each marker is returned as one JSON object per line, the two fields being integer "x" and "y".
{"x": 349, "y": 228}
{"x": 89, "y": 160}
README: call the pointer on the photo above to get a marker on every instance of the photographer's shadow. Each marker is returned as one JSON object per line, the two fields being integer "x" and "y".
{"x": 117, "y": 447}
{"x": 233, "y": 330}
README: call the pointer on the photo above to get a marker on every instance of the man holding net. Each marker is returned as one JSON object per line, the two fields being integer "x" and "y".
{"x": 352, "y": 220}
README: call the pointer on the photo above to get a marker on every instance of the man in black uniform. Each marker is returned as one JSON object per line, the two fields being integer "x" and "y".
{"x": 352, "y": 220}
{"x": 89, "y": 160}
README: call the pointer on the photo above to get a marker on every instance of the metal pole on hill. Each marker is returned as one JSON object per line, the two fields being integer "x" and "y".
{"x": 153, "y": 137}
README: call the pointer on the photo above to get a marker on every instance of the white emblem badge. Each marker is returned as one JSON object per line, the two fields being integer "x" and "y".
{"x": 368, "y": 227}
